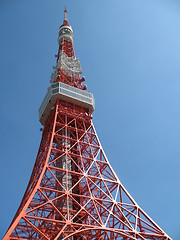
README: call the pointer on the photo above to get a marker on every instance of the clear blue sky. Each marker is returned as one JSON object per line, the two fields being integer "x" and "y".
{"x": 130, "y": 56}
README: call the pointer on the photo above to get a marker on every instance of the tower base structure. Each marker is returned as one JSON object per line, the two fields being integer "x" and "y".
{"x": 73, "y": 192}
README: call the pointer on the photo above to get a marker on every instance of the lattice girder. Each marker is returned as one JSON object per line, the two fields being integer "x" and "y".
{"x": 73, "y": 192}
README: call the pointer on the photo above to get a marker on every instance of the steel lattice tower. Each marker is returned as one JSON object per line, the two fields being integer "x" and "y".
{"x": 73, "y": 192}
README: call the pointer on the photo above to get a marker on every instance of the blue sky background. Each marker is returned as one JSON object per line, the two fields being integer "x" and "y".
{"x": 130, "y": 55}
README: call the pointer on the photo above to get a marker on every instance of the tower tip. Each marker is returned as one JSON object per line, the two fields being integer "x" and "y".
{"x": 65, "y": 16}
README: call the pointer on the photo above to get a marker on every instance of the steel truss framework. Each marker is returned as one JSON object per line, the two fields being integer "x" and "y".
{"x": 81, "y": 198}
{"x": 68, "y": 68}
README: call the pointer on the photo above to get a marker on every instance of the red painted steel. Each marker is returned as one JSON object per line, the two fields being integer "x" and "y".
{"x": 73, "y": 192}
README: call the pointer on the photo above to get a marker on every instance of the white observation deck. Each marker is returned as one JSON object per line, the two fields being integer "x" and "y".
{"x": 68, "y": 94}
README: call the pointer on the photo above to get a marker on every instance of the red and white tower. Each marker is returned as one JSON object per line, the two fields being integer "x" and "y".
{"x": 73, "y": 192}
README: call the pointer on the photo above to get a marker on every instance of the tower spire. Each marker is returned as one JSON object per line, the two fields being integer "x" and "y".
{"x": 65, "y": 17}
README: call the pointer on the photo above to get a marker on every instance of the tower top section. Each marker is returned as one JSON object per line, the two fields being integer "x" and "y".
{"x": 65, "y": 30}
{"x": 66, "y": 82}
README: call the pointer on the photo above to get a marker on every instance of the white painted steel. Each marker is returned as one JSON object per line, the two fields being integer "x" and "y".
{"x": 65, "y": 32}
{"x": 70, "y": 64}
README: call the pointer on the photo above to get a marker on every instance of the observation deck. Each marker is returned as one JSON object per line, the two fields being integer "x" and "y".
{"x": 66, "y": 93}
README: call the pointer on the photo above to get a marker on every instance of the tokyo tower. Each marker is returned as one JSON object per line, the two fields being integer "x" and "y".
{"x": 73, "y": 192}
